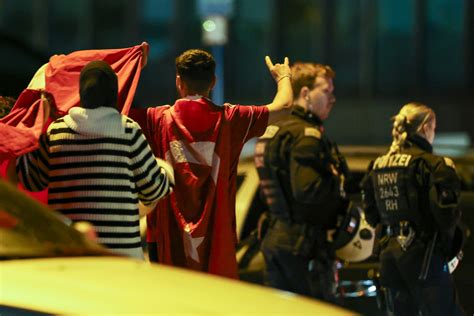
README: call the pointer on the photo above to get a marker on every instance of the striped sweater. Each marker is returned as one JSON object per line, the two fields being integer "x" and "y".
{"x": 97, "y": 165}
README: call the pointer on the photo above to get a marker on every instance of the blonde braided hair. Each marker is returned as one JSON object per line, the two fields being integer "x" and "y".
{"x": 409, "y": 121}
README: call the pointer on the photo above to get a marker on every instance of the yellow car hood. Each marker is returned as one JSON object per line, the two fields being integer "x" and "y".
{"x": 111, "y": 285}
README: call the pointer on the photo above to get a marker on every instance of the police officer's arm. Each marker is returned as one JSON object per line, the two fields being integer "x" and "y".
{"x": 368, "y": 198}
{"x": 444, "y": 195}
{"x": 311, "y": 180}
{"x": 282, "y": 103}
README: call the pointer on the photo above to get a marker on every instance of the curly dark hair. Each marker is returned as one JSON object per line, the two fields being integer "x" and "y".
{"x": 196, "y": 68}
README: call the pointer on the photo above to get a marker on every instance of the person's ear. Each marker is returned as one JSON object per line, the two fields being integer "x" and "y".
{"x": 426, "y": 128}
{"x": 178, "y": 82}
{"x": 428, "y": 132}
{"x": 304, "y": 93}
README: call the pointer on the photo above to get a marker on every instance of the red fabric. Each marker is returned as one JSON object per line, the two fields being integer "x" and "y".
{"x": 21, "y": 128}
{"x": 62, "y": 75}
{"x": 199, "y": 208}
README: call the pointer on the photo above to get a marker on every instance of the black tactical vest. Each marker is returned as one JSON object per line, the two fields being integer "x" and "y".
{"x": 396, "y": 195}
{"x": 272, "y": 159}
{"x": 269, "y": 184}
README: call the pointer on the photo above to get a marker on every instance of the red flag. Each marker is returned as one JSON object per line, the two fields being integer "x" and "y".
{"x": 195, "y": 226}
{"x": 63, "y": 71}
{"x": 22, "y": 127}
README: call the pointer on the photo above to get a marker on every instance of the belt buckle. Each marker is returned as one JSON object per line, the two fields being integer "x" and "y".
{"x": 406, "y": 235}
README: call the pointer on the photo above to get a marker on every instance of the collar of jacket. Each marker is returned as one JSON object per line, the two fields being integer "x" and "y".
{"x": 420, "y": 142}
{"x": 306, "y": 115}
{"x": 99, "y": 122}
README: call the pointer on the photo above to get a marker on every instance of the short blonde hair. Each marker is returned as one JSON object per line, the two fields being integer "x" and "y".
{"x": 409, "y": 121}
{"x": 305, "y": 74}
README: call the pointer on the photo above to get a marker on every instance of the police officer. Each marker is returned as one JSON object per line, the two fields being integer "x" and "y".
{"x": 414, "y": 195}
{"x": 302, "y": 179}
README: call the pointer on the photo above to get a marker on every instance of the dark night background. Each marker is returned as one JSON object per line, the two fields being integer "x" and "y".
{"x": 385, "y": 53}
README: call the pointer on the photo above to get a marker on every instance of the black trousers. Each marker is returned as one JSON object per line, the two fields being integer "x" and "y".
{"x": 313, "y": 276}
{"x": 399, "y": 272}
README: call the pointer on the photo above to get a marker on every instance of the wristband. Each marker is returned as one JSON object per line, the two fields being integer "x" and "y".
{"x": 285, "y": 75}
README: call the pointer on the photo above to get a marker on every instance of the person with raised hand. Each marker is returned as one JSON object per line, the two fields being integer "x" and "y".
{"x": 195, "y": 226}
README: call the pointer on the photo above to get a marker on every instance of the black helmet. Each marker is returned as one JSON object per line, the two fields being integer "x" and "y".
{"x": 354, "y": 238}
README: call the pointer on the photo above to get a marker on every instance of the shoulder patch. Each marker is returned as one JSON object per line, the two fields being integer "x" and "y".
{"x": 449, "y": 162}
{"x": 270, "y": 132}
{"x": 312, "y": 132}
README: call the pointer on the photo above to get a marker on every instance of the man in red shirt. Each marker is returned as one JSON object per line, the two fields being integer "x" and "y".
{"x": 195, "y": 226}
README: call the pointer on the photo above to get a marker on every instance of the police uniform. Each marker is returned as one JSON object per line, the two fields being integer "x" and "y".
{"x": 414, "y": 195}
{"x": 302, "y": 180}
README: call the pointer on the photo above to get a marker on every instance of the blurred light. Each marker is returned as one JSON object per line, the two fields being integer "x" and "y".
{"x": 214, "y": 30}
{"x": 451, "y": 144}
{"x": 209, "y": 25}
{"x": 372, "y": 289}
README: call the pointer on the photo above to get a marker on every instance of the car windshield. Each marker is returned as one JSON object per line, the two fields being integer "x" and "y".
{"x": 29, "y": 229}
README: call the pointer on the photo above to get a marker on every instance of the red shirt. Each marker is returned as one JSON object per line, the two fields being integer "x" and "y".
{"x": 195, "y": 226}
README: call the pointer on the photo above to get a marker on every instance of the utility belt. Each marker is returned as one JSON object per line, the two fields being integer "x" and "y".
{"x": 308, "y": 237}
{"x": 285, "y": 223}
{"x": 404, "y": 232}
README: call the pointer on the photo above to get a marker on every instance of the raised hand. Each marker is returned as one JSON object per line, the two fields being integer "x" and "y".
{"x": 279, "y": 71}
{"x": 145, "y": 52}
{"x": 46, "y": 99}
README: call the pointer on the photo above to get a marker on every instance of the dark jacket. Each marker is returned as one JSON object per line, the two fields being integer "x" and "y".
{"x": 296, "y": 158}
{"x": 426, "y": 192}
